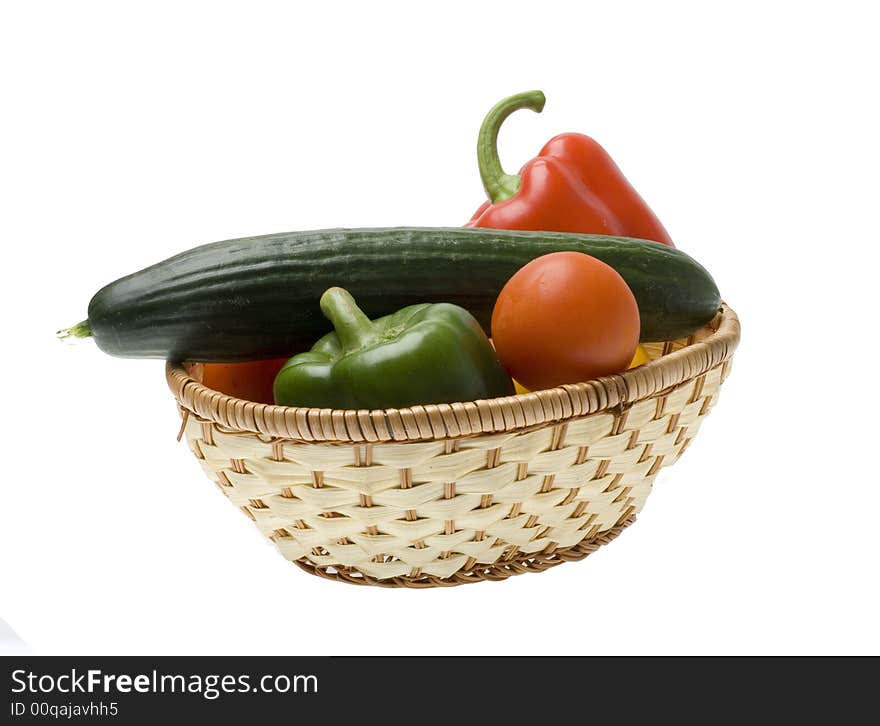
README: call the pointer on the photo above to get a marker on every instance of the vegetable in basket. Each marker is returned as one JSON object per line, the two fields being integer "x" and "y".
{"x": 640, "y": 357}
{"x": 573, "y": 185}
{"x": 428, "y": 353}
{"x": 565, "y": 317}
{"x": 250, "y": 380}
{"x": 252, "y": 298}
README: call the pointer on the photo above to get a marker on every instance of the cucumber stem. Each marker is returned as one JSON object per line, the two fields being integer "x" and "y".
{"x": 80, "y": 330}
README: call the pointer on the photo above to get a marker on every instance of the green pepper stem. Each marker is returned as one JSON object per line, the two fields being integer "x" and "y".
{"x": 355, "y": 330}
{"x": 498, "y": 185}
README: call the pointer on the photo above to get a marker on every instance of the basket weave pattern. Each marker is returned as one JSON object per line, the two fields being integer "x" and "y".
{"x": 391, "y": 502}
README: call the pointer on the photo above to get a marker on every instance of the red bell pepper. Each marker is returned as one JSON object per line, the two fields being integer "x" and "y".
{"x": 573, "y": 185}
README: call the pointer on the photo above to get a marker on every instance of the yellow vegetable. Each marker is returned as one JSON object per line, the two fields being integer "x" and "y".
{"x": 641, "y": 357}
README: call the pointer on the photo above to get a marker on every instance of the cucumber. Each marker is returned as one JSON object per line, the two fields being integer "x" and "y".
{"x": 257, "y": 297}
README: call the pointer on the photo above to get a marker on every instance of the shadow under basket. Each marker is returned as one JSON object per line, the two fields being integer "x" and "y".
{"x": 448, "y": 494}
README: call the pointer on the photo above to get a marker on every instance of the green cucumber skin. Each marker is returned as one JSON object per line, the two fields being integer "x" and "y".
{"x": 257, "y": 297}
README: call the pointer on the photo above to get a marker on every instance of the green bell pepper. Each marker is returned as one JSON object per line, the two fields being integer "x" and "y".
{"x": 428, "y": 353}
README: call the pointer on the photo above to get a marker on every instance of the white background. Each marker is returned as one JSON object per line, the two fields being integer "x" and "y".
{"x": 131, "y": 131}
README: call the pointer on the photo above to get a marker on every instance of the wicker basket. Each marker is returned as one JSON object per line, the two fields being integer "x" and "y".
{"x": 450, "y": 494}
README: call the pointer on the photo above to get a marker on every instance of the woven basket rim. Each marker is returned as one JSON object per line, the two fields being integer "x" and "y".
{"x": 454, "y": 420}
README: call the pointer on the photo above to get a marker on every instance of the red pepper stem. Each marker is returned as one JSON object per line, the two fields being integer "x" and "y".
{"x": 498, "y": 185}
{"x": 355, "y": 330}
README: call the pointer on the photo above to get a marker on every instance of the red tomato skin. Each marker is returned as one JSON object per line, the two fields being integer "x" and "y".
{"x": 565, "y": 317}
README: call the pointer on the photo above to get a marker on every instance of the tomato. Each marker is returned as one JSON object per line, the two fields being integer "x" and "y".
{"x": 251, "y": 381}
{"x": 565, "y": 317}
{"x": 639, "y": 359}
